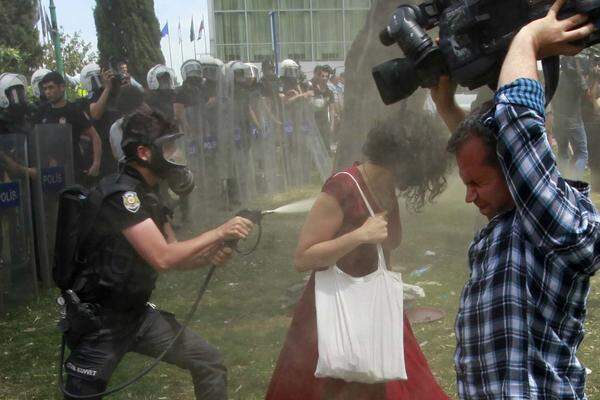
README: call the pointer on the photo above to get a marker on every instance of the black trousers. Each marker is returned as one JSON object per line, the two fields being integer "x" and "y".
{"x": 95, "y": 356}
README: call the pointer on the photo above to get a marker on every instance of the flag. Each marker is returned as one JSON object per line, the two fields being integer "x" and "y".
{"x": 201, "y": 30}
{"x": 165, "y": 30}
{"x": 192, "y": 31}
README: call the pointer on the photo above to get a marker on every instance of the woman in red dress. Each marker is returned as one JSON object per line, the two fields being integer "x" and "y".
{"x": 339, "y": 231}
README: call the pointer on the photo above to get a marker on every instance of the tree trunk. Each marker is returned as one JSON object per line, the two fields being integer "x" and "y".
{"x": 362, "y": 103}
{"x": 128, "y": 30}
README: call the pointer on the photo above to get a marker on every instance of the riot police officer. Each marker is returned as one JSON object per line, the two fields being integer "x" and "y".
{"x": 161, "y": 94}
{"x": 131, "y": 243}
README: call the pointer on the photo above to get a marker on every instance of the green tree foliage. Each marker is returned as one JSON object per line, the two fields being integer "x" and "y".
{"x": 11, "y": 60}
{"x": 129, "y": 30}
{"x": 20, "y": 50}
{"x": 75, "y": 51}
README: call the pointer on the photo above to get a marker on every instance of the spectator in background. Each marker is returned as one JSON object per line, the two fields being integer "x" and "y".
{"x": 103, "y": 87}
{"x": 123, "y": 69}
{"x": 323, "y": 103}
{"x": 568, "y": 124}
{"x": 60, "y": 111}
{"x": 129, "y": 101}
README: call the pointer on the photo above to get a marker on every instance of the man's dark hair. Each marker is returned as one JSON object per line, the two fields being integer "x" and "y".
{"x": 129, "y": 99}
{"x": 472, "y": 126}
{"x": 143, "y": 128}
{"x": 317, "y": 69}
{"x": 52, "y": 77}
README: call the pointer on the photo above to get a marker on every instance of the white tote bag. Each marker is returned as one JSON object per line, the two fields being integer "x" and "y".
{"x": 360, "y": 323}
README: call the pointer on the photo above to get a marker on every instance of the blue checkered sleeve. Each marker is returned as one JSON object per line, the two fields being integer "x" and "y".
{"x": 556, "y": 215}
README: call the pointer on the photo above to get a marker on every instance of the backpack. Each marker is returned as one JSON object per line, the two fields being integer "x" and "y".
{"x": 78, "y": 209}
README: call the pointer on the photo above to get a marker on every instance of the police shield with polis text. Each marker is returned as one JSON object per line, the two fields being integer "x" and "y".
{"x": 18, "y": 276}
{"x": 52, "y": 160}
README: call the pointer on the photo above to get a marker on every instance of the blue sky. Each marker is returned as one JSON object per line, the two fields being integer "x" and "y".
{"x": 77, "y": 15}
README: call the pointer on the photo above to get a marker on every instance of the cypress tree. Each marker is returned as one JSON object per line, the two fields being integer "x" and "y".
{"x": 19, "y": 33}
{"x": 128, "y": 30}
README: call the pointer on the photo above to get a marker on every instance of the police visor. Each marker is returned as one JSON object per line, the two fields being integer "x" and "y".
{"x": 172, "y": 149}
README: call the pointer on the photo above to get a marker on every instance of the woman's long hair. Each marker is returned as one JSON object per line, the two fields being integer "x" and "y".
{"x": 413, "y": 147}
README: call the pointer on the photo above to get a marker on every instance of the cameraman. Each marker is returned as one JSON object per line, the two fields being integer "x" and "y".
{"x": 521, "y": 314}
{"x": 131, "y": 243}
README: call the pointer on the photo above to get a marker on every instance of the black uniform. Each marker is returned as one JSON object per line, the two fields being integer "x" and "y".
{"x": 118, "y": 283}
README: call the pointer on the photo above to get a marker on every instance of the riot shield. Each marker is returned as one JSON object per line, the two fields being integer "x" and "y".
{"x": 316, "y": 147}
{"x": 267, "y": 151}
{"x": 17, "y": 255}
{"x": 53, "y": 164}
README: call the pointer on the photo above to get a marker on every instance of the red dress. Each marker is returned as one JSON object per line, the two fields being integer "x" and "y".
{"x": 293, "y": 378}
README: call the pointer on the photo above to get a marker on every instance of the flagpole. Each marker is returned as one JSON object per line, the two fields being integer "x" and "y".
{"x": 180, "y": 41}
{"x": 195, "y": 56}
{"x": 56, "y": 39}
{"x": 204, "y": 34}
{"x": 170, "y": 53}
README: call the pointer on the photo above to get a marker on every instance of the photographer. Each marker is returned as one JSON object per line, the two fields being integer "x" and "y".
{"x": 521, "y": 314}
{"x": 131, "y": 243}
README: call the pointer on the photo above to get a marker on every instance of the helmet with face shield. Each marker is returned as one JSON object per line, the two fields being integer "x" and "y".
{"x": 211, "y": 67}
{"x": 191, "y": 68}
{"x": 36, "y": 79}
{"x": 12, "y": 91}
{"x": 161, "y": 77}
{"x": 91, "y": 77}
{"x": 289, "y": 69}
{"x": 168, "y": 158}
{"x": 244, "y": 74}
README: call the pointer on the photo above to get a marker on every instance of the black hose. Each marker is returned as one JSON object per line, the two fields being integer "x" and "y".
{"x": 158, "y": 359}
{"x": 150, "y": 367}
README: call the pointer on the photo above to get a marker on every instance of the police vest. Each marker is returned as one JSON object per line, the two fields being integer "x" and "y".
{"x": 115, "y": 276}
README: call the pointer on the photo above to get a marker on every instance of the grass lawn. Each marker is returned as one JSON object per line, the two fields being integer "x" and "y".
{"x": 246, "y": 310}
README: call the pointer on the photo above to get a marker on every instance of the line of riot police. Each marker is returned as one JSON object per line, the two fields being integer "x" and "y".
{"x": 246, "y": 134}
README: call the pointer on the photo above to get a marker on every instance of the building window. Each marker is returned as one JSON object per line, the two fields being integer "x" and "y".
{"x": 328, "y": 26}
{"x": 264, "y": 5}
{"x": 296, "y": 51}
{"x": 231, "y": 52}
{"x": 294, "y": 26}
{"x": 260, "y": 52}
{"x": 354, "y": 21}
{"x": 259, "y": 27}
{"x": 231, "y": 28}
{"x": 225, "y": 5}
{"x": 327, "y": 4}
{"x": 364, "y": 4}
{"x": 329, "y": 51}
{"x": 294, "y": 4}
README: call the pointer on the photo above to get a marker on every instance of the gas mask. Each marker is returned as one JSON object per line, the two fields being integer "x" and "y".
{"x": 169, "y": 162}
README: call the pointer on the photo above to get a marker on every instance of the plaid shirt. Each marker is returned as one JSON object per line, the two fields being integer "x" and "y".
{"x": 522, "y": 311}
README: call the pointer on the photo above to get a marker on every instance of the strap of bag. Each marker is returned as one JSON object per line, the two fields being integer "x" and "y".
{"x": 382, "y": 264}
{"x": 361, "y": 192}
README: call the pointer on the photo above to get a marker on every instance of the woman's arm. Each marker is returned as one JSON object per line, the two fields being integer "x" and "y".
{"x": 319, "y": 248}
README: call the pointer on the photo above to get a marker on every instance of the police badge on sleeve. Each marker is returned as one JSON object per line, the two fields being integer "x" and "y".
{"x": 131, "y": 201}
